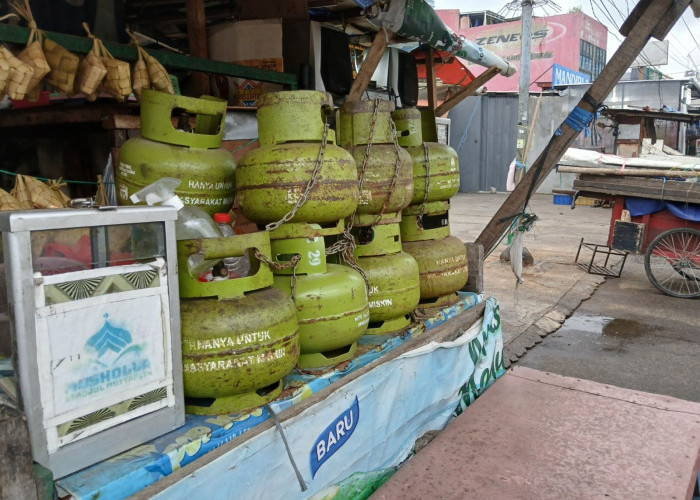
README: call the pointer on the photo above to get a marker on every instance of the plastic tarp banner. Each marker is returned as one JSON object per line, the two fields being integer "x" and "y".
{"x": 360, "y": 432}
{"x": 352, "y": 439}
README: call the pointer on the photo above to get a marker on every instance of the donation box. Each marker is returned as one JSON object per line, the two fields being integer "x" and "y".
{"x": 95, "y": 324}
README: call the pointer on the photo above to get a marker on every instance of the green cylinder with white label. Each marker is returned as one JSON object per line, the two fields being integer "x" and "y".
{"x": 331, "y": 301}
{"x": 194, "y": 156}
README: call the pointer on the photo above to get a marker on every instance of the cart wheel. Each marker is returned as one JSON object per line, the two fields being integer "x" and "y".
{"x": 672, "y": 263}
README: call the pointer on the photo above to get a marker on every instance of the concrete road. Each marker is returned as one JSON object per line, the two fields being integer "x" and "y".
{"x": 627, "y": 333}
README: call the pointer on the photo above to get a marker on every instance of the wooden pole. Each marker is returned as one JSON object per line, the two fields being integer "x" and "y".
{"x": 376, "y": 51}
{"x": 657, "y": 13}
{"x": 430, "y": 78}
{"x": 466, "y": 91}
{"x": 197, "y": 35}
{"x": 634, "y": 172}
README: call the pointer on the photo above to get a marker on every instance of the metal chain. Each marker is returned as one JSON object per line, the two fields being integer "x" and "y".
{"x": 421, "y": 212}
{"x": 397, "y": 169}
{"x": 312, "y": 182}
{"x": 365, "y": 160}
{"x": 277, "y": 265}
{"x": 293, "y": 262}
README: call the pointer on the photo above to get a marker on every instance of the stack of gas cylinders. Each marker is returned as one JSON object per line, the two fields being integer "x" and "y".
{"x": 385, "y": 175}
{"x": 352, "y": 210}
{"x": 301, "y": 186}
{"x": 425, "y": 229}
{"x": 240, "y": 337}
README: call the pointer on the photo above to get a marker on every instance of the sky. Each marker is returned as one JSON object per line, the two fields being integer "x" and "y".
{"x": 684, "y": 38}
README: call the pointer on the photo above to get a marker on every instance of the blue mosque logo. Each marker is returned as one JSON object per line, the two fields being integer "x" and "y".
{"x": 109, "y": 338}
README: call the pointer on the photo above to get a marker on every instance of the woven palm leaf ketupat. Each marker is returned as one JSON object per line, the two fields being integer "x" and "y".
{"x": 117, "y": 81}
{"x": 8, "y": 202}
{"x": 140, "y": 79}
{"x": 159, "y": 76}
{"x": 64, "y": 66}
{"x": 20, "y": 75}
{"x": 21, "y": 193}
{"x": 41, "y": 195}
{"x": 139, "y": 72}
{"x": 62, "y": 198}
{"x": 33, "y": 54}
{"x": 92, "y": 70}
{"x": 4, "y": 73}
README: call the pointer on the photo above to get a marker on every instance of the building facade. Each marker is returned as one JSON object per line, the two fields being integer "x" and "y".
{"x": 568, "y": 48}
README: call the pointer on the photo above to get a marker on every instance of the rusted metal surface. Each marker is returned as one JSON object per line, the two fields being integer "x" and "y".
{"x": 444, "y": 172}
{"x": 541, "y": 436}
{"x": 298, "y": 115}
{"x": 394, "y": 285}
{"x": 332, "y": 307}
{"x": 270, "y": 181}
{"x": 207, "y": 174}
{"x": 442, "y": 264}
{"x": 379, "y": 173}
{"x": 237, "y": 345}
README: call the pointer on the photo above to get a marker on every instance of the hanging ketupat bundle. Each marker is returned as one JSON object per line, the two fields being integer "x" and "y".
{"x": 139, "y": 73}
{"x": 4, "y": 73}
{"x": 91, "y": 71}
{"x": 140, "y": 79}
{"x": 8, "y": 202}
{"x": 41, "y": 195}
{"x": 32, "y": 55}
{"x": 21, "y": 193}
{"x": 62, "y": 198}
{"x": 117, "y": 82}
{"x": 159, "y": 76}
{"x": 64, "y": 66}
{"x": 5, "y": 69}
{"x": 20, "y": 75}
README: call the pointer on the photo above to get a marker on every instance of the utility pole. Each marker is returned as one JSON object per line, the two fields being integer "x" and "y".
{"x": 524, "y": 86}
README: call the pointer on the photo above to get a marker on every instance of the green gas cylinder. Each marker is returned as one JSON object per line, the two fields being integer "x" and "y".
{"x": 195, "y": 157}
{"x": 385, "y": 167}
{"x": 292, "y": 156}
{"x": 442, "y": 265}
{"x": 240, "y": 337}
{"x": 435, "y": 165}
{"x": 272, "y": 179}
{"x": 331, "y": 301}
{"x": 426, "y": 222}
{"x": 394, "y": 284}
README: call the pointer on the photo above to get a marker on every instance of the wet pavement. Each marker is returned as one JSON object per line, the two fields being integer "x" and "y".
{"x": 625, "y": 332}
{"x": 630, "y": 335}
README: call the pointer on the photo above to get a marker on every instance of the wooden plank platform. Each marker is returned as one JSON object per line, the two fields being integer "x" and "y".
{"x": 658, "y": 189}
{"x": 535, "y": 435}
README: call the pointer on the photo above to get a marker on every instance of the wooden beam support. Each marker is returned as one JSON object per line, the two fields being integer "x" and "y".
{"x": 197, "y": 36}
{"x": 466, "y": 91}
{"x": 658, "y": 13}
{"x": 430, "y": 78}
{"x": 376, "y": 51}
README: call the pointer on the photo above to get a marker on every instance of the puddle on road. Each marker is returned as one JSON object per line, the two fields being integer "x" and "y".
{"x": 613, "y": 328}
{"x": 626, "y": 328}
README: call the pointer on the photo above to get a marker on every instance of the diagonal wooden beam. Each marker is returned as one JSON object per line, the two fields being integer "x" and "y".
{"x": 376, "y": 51}
{"x": 466, "y": 91}
{"x": 658, "y": 13}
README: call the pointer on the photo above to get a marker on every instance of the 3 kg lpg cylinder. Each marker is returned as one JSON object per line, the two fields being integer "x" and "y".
{"x": 442, "y": 265}
{"x": 435, "y": 165}
{"x": 240, "y": 337}
{"x": 193, "y": 155}
{"x": 297, "y": 148}
{"x": 331, "y": 301}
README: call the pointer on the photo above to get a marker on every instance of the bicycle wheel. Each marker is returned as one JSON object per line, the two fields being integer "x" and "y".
{"x": 672, "y": 263}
